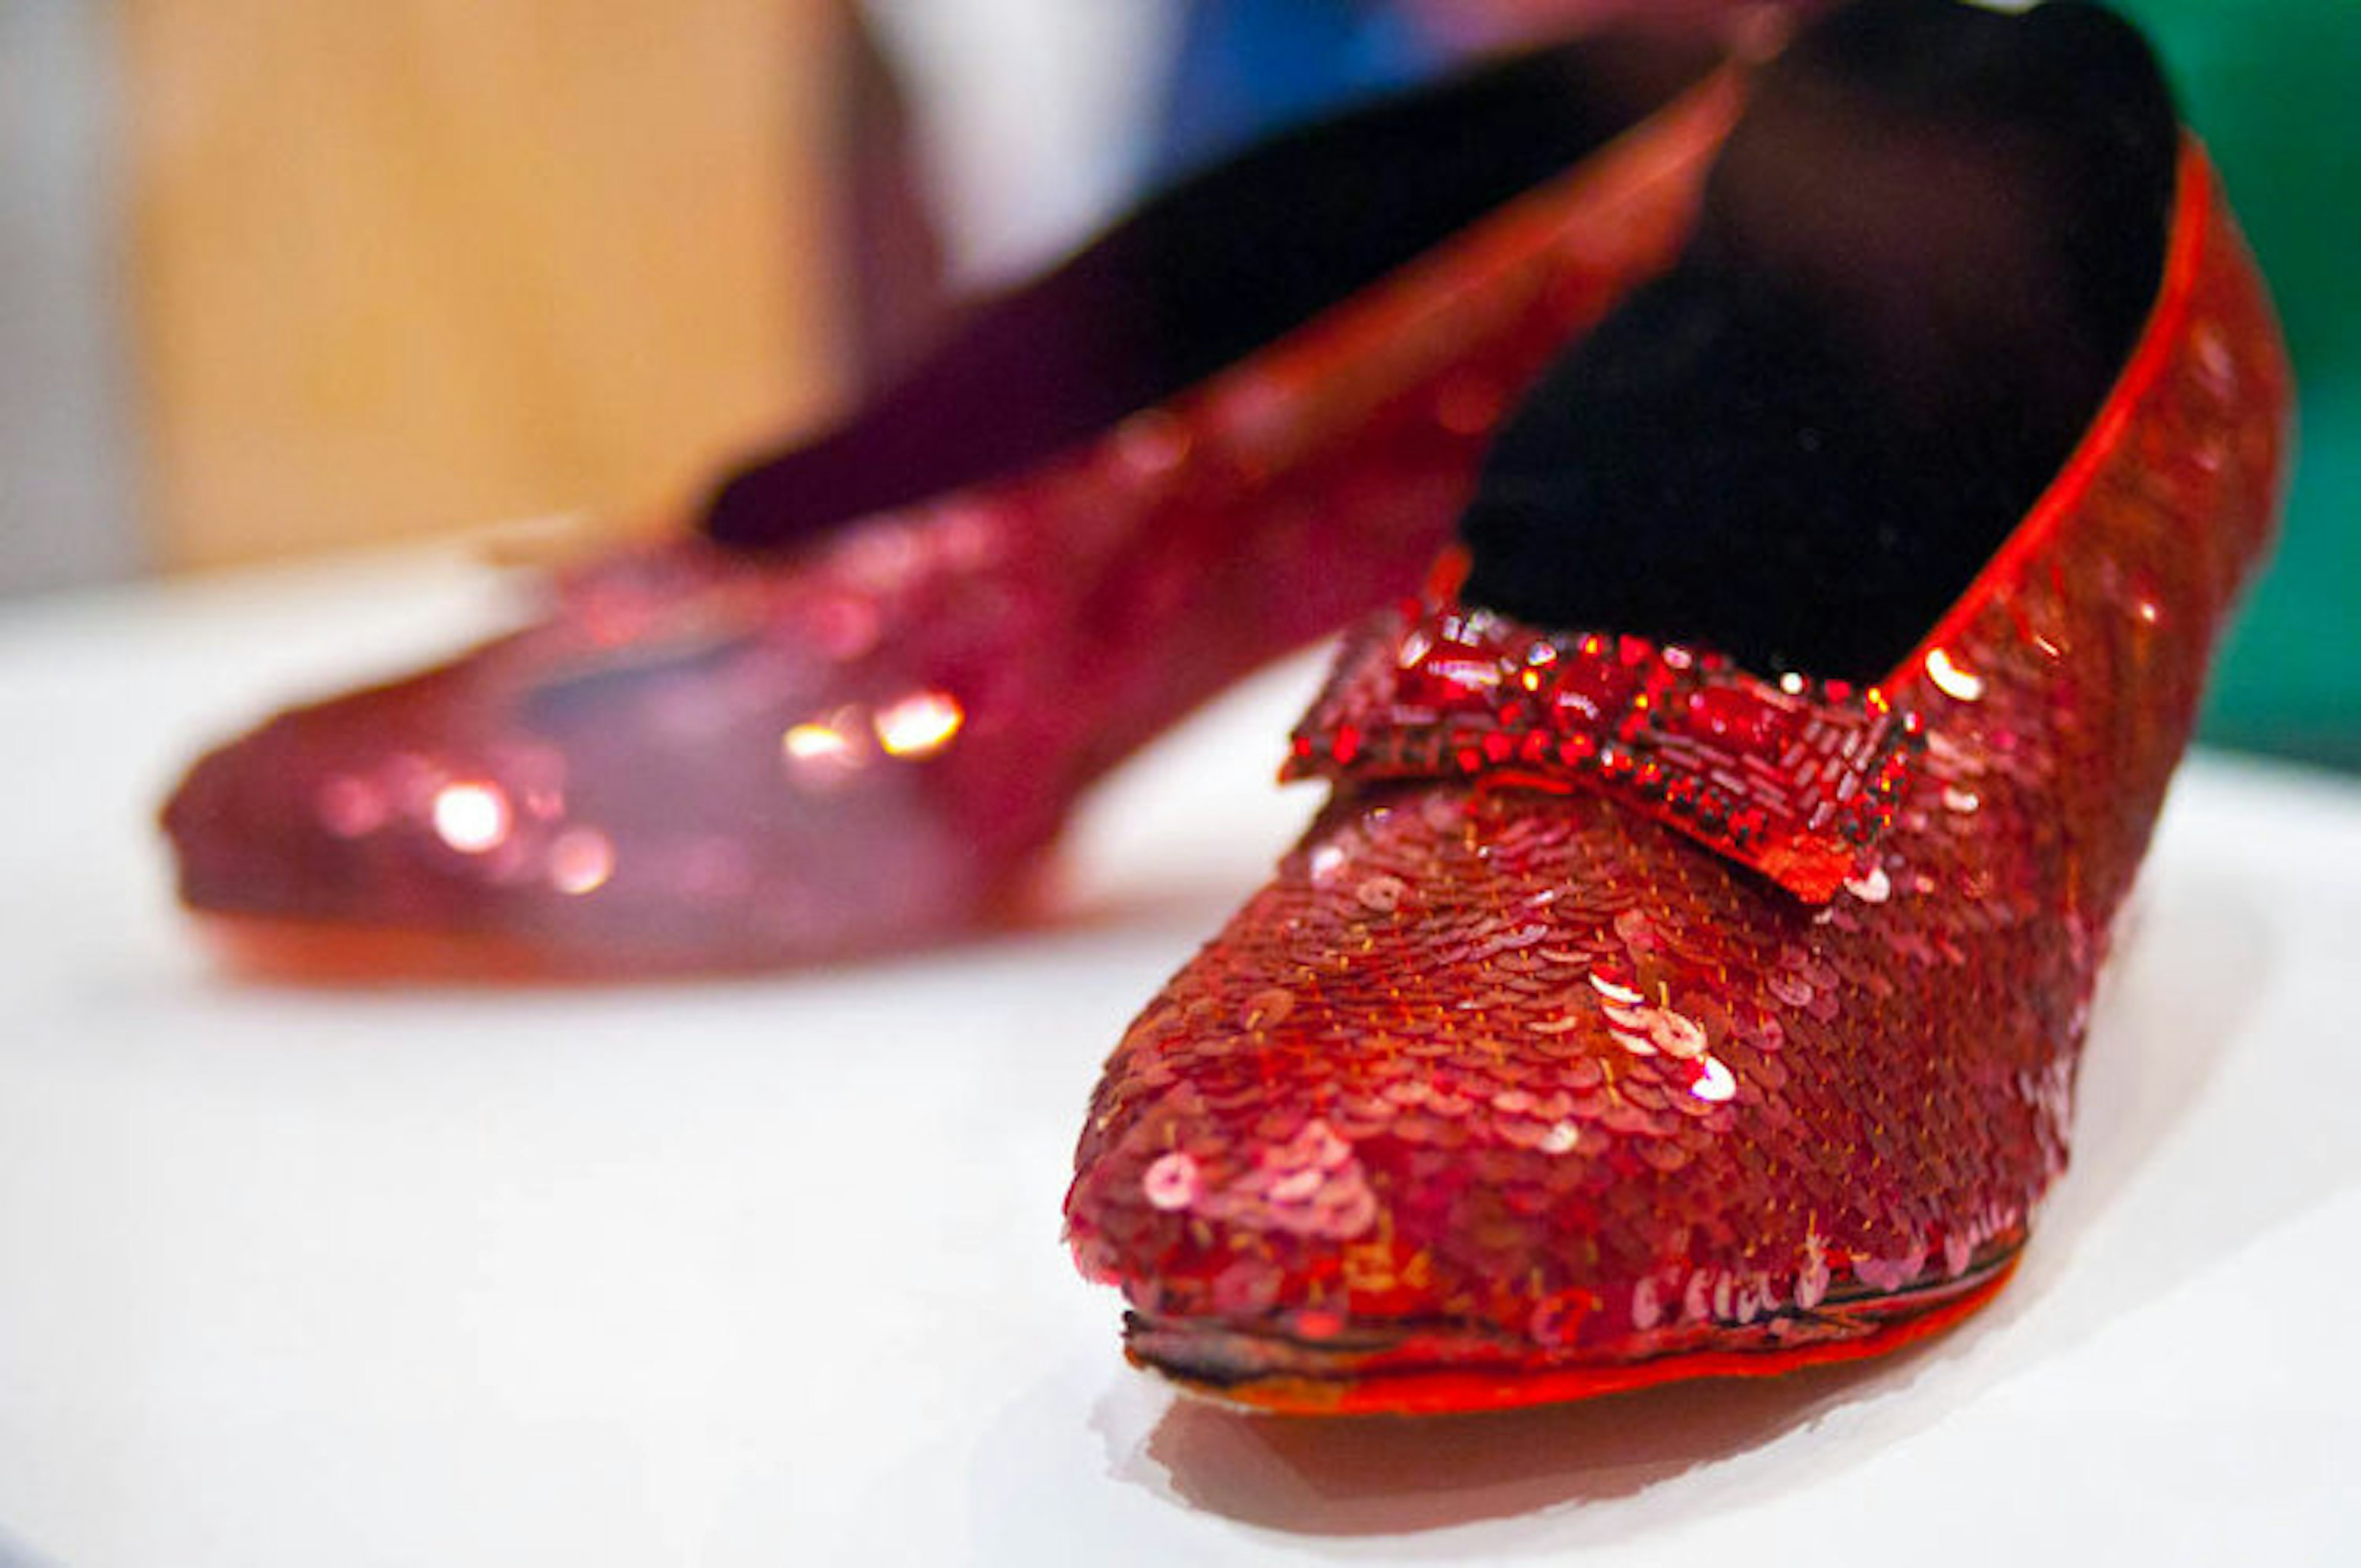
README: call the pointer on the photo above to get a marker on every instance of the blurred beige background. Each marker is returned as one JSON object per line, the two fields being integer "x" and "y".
{"x": 427, "y": 263}
{"x": 277, "y": 277}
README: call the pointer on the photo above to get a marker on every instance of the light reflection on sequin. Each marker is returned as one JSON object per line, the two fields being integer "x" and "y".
{"x": 1298, "y": 1185}
{"x": 1628, "y": 1027}
{"x": 1677, "y": 1034}
{"x": 1812, "y": 1279}
{"x": 1152, "y": 444}
{"x": 824, "y": 753}
{"x": 919, "y": 724}
{"x": 2214, "y": 356}
{"x": 472, "y": 815}
{"x": 1267, "y": 1009}
{"x": 1715, "y": 1085}
{"x": 1614, "y": 991}
{"x": 1318, "y": 1146}
{"x": 351, "y": 807}
{"x": 814, "y": 742}
{"x": 581, "y": 859}
{"x": 1872, "y": 886}
{"x": 1173, "y": 1183}
{"x": 1957, "y": 1254}
{"x": 1952, "y": 679}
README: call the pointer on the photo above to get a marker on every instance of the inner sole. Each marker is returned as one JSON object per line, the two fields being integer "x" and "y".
{"x": 1923, "y": 259}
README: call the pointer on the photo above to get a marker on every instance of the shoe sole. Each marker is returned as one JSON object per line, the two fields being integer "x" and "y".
{"x": 1449, "y": 1370}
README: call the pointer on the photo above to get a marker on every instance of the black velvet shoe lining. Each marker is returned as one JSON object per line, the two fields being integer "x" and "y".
{"x": 1924, "y": 258}
{"x": 1221, "y": 266}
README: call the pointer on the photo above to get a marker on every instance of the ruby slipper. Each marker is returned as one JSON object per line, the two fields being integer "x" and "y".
{"x": 856, "y": 710}
{"x": 1688, "y": 972}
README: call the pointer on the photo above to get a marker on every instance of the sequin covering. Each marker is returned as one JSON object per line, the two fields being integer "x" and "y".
{"x": 700, "y": 759}
{"x": 1503, "y": 1094}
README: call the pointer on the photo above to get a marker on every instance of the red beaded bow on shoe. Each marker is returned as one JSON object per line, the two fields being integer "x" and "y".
{"x": 1794, "y": 778}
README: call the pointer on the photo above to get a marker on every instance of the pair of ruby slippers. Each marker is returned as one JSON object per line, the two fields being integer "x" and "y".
{"x": 1688, "y": 972}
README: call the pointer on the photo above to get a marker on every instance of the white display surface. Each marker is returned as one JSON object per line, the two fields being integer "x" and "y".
{"x": 769, "y": 1271}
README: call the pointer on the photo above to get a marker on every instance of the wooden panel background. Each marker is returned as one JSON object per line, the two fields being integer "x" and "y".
{"x": 418, "y": 264}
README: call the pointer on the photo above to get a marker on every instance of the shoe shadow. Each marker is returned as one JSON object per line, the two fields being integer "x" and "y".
{"x": 1385, "y": 1475}
{"x": 2172, "y": 1011}
{"x": 1176, "y": 912}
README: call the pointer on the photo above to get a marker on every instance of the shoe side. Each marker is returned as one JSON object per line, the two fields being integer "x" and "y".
{"x": 705, "y": 758}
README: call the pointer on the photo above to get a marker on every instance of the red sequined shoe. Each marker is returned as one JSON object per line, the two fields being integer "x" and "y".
{"x": 1698, "y": 990}
{"x": 853, "y": 713}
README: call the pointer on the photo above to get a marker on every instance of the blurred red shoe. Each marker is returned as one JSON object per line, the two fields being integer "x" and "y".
{"x": 856, "y": 711}
{"x": 1689, "y": 973}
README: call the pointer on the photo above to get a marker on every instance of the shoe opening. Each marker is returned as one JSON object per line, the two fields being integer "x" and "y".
{"x": 1925, "y": 253}
{"x": 1219, "y": 267}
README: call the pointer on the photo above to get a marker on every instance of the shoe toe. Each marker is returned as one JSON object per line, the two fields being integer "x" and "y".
{"x": 709, "y": 793}
{"x": 386, "y": 807}
{"x": 1529, "y": 1091}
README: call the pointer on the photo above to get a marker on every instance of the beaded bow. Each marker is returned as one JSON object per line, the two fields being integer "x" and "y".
{"x": 1793, "y": 777}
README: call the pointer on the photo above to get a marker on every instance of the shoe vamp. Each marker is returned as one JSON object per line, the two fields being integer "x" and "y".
{"x": 1535, "y": 1064}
